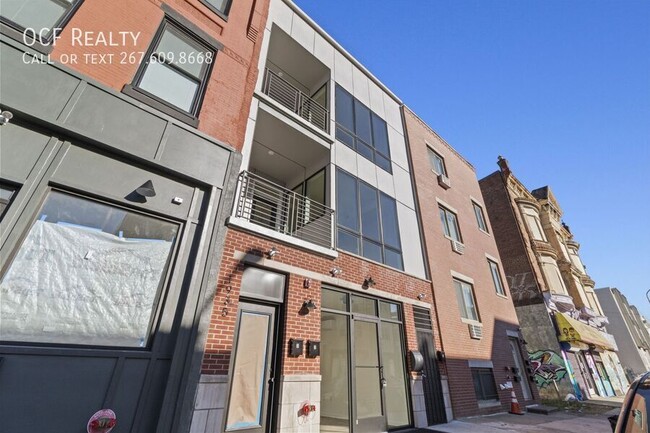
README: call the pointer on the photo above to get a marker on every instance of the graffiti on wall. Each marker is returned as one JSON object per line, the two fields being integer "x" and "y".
{"x": 548, "y": 367}
{"x": 523, "y": 286}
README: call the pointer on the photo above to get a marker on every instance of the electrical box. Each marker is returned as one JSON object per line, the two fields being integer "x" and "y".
{"x": 417, "y": 360}
{"x": 313, "y": 349}
{"x": 295, "y": 348}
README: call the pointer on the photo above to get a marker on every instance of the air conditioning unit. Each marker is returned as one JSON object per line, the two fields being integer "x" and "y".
{"x": 457, "y": 247}
{"x": 443, "y": 181}
{"x": 475, "y": 331}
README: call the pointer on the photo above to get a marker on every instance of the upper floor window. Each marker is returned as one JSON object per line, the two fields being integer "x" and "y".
{"x": 6, "y": 194}
{"x": 532, "y": 220}
{"x": 496, "y": 278}
{"x": 361, "y": 129}
{"x": 437, "y": 162}
{"x": 450, "y": 224}
{"x": 480, "y": 217}
{"x": 221, "y": 7}
{"x": 553, "y": 276}
{"x": 39, "y": 18}
{"x": 176, "y": 70}
{"x": 466, "y": 300}
{"x": 367, "y": 221}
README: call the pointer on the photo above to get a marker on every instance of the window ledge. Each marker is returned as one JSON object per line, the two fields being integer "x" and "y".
{"x": 184, "y": 117}
{"x": 488, "y": 403}
{"x": 502, "y": 296}
{"x": 471, "y": 322}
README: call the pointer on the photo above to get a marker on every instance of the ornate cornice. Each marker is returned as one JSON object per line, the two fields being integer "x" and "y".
{"x": 572, "y": 243}
{"x": 529, "y": 202}
{"x": 544, "y": 248}
{"x": 587, "y": 281}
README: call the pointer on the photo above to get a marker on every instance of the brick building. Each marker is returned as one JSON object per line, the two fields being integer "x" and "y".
{"x": 114, "y": 172}
{"x": 475, "y": 313}
{"x": 560, "y": 317}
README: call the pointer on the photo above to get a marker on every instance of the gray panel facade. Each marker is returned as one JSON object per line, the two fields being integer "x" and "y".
{"x": 76, "y": 136}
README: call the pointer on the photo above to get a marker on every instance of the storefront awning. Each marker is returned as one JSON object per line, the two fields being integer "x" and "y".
{"x": 573, "y": 330}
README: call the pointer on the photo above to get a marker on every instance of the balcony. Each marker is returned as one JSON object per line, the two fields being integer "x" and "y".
{"x": 280, "y": 90}
{"x": 274, "y": 208}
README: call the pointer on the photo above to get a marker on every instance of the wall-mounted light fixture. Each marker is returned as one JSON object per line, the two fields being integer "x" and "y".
{"x": 336, "y": 272}
{"x": 421, "y": 296}
{"x": 5, "y": 117}
{"x": 306, "y": 283}
{"x": 146, "y": 189}
{"x": 272, "y": 252}
{"x": 368, "y": 283}
{"x": 309, "y": 305}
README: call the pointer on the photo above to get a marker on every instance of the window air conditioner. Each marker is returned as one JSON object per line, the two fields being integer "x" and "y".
{"x": 475, "y": 331}
{"x": 457, "y": 247}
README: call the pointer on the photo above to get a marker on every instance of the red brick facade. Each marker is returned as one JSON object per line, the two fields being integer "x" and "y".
{"x": 230, "y": 87}
{"x": 496, "y": 312}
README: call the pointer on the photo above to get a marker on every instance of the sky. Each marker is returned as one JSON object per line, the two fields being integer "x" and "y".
{"x": 560, "y": 88}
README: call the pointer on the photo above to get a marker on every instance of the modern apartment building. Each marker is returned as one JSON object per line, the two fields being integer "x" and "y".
{"x": 561, "y": 319}
{"x": 114, "y": 174}
{"x": 475, "y": 313}
{"x": 629, "y": 329}
{"x": 322, "y": 294}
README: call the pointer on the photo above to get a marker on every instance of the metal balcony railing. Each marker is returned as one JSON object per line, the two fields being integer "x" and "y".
{"x": 293, "y": 99}
{"x": 269, "y": 205}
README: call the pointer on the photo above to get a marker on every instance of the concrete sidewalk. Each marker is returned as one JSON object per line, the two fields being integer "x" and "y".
{"x": 557, "y": 422}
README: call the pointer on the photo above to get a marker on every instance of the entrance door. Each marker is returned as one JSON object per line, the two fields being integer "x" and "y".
{"x": 433, "y": 398}
{"x": 584, "y": 372}
{"x": 368, "y": 378}
{"x": 252, "y": 371}
{"x": 523, "y": 379}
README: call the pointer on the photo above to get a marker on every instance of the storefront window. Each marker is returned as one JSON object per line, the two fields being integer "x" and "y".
{"x": 87, "y": 273}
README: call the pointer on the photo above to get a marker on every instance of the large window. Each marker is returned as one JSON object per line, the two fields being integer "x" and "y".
{"x": 361, "y": 129}
{"x": 480, "y": 217}
{"x": 553, "y": 276}
{"x": 6, "y": 194}
{"x": 532, "y": 220}
{"x": 41, "y": 16}
{"x": 437, "y": 162}
{"x": 450, "y": 224}
{"x": 484, "y": 385}
{"x": 176, "y": 70}
{"x": 87, "y": 273}
{"x": 367, "y": 221}
{"x": 466, "y": 300}
{"x": 496, "y": 278}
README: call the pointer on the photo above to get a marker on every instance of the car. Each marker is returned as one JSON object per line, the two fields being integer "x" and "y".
{"x": 633, "y": 417}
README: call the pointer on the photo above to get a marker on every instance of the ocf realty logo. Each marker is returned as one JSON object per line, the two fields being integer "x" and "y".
{"x": 81, "y": 38}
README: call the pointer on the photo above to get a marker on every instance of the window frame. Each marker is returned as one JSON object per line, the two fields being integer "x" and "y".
{"x": 463, "y": 308}
{"x": 445, "y": 224}
{"x": 18, "y": 32}
{"x": 478, "y": 210}
{"x": 381, "y": 242}
{"x": 433, "y": 153}
{"x": 480, "y": 396}
{"x": 7, "y": 186}
{"x": 356, "y": 138}
{"x": 190, "y": 36}
{"x": 223, "y": 14}
{"x": 496, "y": 278}
{"x": 531, "y": 213}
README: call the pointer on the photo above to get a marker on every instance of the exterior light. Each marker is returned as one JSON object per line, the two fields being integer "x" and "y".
{"x": 368, "y": 283}
{"x": 421, "y": 296}
{"x": 309, "y": 305}
{"x": 147, "y": 189}
{"x": 272, "y": 252}
{"x": 336, "y": 272}
{"x": 5, "y": 117}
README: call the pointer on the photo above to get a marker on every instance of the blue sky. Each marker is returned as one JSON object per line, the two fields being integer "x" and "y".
{"x": 560, "y": 88}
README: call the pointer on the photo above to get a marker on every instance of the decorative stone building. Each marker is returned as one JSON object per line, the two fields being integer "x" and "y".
{"x": 559, "y": 313}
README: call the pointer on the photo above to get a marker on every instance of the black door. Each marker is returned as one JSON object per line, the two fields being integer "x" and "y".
{"x": 433, "y": 397}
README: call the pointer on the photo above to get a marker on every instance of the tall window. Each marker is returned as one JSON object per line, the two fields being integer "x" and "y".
{"x": 553, "y": 276}
{"x": 496, "y": 278}
{"x": 484, "y": 384}
{"x": 466, "y": 300}
{"x": 480, "y": 217}
{"x": 437, "y": 162}
{"x": 361, "y": 129}
{"x": 38, "y": 15}
{"x": 450, "y": 224}
{"x": 367, "y": 221}
{"x": 532, "y": 220}
{"x": 176, "y": 70}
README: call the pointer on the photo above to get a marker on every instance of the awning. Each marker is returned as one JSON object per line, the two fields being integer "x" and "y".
{"x": 573, "y": 330}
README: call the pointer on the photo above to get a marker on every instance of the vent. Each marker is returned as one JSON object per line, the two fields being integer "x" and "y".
{"x": 475, "y": 331}
{"x": 422, "y": 318}
{"x": 252, "y": 33}
{"x": 443, "y": 181}
{"x": 457, "y": 247}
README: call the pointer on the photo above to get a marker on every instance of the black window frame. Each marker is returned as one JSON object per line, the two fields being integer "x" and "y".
{"x": 181, "y": 30}
{"x": 478, "y": 210}
{"x": 14, "y": 191}
{"x": 483, "y": 395}
{"x": 496, "y": 275}
{"x": 358, "y": 142}
{"x": 222, "y": 13}
{"x": 19, "y": 33}
{"x": 359, "y": 235}
{"x": 431, "y": 151}
{"x": 445, "y": 227}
